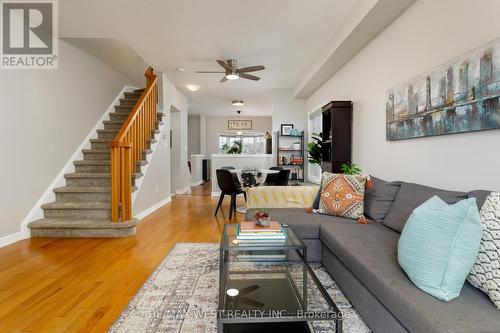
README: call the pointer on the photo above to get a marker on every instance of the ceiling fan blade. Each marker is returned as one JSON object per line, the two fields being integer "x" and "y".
{"x": 250, "y": 302}
{"x": 249, "y": 77}
{"x": 224, "y": 65}
{"x": 224, "y": 79}
{"x": 208, "y": 72}
{"x": 251, "y": 69}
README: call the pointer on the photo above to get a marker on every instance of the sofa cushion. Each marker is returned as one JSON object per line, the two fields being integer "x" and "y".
{"x": 409, "y": 197}
{"x": 480, "y": 196}
{"x": 379, "y": 198}
{"x": 305, "y": 225}
{"x": 342, "y": 195}
{"x": 369, "y": 252}
{"x": 439, "y": 245}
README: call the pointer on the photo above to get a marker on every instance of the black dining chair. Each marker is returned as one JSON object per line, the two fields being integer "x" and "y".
{"x": 235, "y": 176}
{"x": 282, "y": 178}
{"x": 271, "y": 178}
{"x": 228, "y": 187}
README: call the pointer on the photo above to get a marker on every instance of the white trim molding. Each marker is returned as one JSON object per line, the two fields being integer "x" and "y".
{"x": 12, "y": 238}
{"x": 153, "y": 208}
{"x": 48, "y": 196}
{"x": 197, "y": 183}
{"x": 183, "y": 190}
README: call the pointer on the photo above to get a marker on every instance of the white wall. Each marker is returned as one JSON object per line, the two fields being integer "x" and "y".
{"x": 427, "y": 34}
{"x": 288, "y": 110}
{"x": 46, "y": 115}
{"x": 157, "y": 186}
{"x": 216, "y": 125}
{"x": 194, "y": 134}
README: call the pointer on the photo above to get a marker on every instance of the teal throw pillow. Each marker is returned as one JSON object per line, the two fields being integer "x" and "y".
{"x": 439, "y": 245}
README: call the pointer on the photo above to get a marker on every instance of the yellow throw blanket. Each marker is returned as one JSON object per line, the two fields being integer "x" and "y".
{"x": 281, "y": 196}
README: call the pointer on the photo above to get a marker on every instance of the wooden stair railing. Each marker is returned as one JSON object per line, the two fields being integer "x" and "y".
{"x": 128, "y": 146}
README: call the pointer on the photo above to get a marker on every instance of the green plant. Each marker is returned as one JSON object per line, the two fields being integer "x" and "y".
{"x": 350, "y": 168}
{"x": 236, "y": 148}
{"x": 315, "y": 149}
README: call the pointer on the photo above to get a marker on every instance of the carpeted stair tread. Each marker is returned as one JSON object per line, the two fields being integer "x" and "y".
{"x": 81, "y": 223}
{"x": 60, "y": 205}
{"x": 84, "y": 189}
{"x": 106, "y": 151}
{"x": 111, "y": 140}
{"x": 102, "y": 162}
{"x": 96, "y": 175}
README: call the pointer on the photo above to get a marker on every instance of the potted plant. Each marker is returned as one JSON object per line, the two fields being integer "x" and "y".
{"x": 350, "y": 168}
{"x": 262, "y": 218}
{"x": 296, "y": 145}
{"x": 315, "y": 149}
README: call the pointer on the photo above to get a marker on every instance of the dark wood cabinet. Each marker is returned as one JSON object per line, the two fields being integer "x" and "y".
{"x": 337, "y": 135}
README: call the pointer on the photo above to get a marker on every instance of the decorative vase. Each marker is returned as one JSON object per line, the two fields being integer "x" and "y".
{"x": 264, "y": 221}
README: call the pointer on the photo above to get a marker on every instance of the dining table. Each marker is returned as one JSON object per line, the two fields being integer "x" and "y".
{"x": 260, "y": 178}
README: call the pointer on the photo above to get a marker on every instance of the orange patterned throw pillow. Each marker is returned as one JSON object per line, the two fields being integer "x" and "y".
{"x": 343, "y": 195}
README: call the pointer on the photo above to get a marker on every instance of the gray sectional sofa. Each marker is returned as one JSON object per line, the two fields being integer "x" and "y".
{"x": 362, "y": 259}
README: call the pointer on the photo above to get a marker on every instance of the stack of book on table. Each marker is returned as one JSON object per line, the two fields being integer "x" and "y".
{"x": 249, "y": 232}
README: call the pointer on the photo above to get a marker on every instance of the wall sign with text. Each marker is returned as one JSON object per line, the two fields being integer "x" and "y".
{"x": 239, "y": 124}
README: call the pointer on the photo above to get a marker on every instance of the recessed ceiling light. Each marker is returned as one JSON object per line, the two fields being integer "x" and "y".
{"x": 192, "y": 87}
{"x": 237, "y": 103}
{"x": 180, "y": 69}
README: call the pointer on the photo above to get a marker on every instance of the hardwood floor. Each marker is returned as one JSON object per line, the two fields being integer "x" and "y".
{"x": 82, "y": 285}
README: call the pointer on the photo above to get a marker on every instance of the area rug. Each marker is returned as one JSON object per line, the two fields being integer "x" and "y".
{"x": 181, "y": 296}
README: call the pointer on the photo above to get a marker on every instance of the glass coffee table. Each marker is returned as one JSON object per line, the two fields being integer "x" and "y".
{"x": 270, "y": 287}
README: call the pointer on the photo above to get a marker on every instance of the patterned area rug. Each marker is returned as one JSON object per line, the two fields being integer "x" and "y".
{"x": 181, "y": 296}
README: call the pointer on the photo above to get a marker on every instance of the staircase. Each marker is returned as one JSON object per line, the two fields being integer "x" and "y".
{"x": 83, "y": 207}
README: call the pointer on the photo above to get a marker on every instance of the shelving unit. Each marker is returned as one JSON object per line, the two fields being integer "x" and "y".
{"x": 287, "y": 140}
{"x": 337, "y": 135}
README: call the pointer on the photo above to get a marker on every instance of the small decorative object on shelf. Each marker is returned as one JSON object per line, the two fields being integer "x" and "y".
{"x": 262, "y": 218}
{"x": 286, "y": 129}
{"x": 295, "y": 132}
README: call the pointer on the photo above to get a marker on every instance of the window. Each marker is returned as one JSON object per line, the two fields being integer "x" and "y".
{"x": 314, "y": 124}
{"x": 252, "y": 143}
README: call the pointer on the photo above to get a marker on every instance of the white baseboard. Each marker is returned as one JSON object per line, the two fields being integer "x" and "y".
{"x": 215, "y": 194}
{"x": 183, "y": 190}
{"x": 12, "y": 238}
{"x": 48, "y": 196}
{"x": 153, "y": 208}
{"x": 197, "y": 183}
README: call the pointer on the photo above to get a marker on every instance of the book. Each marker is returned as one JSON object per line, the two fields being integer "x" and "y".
{"x": 260, "y": 236}
{"x": 252, "y": 227}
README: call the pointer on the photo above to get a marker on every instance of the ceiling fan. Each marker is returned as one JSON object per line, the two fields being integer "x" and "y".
{"x": 232, "y": 72}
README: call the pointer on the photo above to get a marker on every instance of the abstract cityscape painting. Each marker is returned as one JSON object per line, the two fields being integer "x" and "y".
{"x": 459, "y": 96}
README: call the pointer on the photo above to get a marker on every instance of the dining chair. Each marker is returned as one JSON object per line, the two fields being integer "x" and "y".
{"x": 235, "y": 176}
{"x": 282, "y": 178}
{"x": 228, "y": 187}
{"x": 271, "y": 178}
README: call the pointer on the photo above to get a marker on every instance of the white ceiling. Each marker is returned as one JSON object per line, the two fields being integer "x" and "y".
{"x": 286, "y": 36}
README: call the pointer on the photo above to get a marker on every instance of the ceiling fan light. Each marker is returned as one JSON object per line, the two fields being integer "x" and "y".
{"x": 232, "y": 76}
{"x": 237, "y": 103}
{"x": 192, "y": 87}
